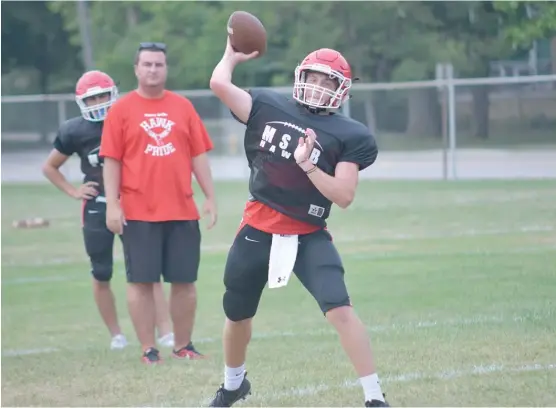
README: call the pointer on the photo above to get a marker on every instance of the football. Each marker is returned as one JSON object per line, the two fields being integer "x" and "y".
{"x": 247, "y": 33}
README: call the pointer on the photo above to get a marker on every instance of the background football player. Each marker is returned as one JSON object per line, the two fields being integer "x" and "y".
{"x": 95, "y": 92}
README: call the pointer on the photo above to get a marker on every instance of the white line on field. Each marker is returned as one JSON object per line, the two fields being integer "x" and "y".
{"x": 395, "y": 327}
{"x": 326, "y": 331}
{"x": 427, "y": 254}
{"x": 25, "y": 352}
{"x": 387, "y": 379}
{"x": 37, "y": 279}
{"x": 362, "y": 255}
{"x": 415, "y": 376}
{"x": 338, "y": 238}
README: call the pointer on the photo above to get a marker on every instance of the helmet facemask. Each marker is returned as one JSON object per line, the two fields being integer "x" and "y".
{"x": 96, "y": 112}
{"x": 315, "y": 95}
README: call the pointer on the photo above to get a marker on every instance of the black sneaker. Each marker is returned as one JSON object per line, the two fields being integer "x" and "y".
{"x": 151, "y": 356}
{"x": 188, "y": 352}
{"x": 226, "y": 398}
{"x": 377, "y": 403}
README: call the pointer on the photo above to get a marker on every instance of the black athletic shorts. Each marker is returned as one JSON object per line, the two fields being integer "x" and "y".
{"x": 171, "y": 249}
{"x": 318, "y": 266}
{"x": 99, "y": 240}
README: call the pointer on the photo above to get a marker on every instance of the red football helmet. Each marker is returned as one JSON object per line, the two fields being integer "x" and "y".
{"x": 331, "y": 63}
{"x": 93, "y": 83}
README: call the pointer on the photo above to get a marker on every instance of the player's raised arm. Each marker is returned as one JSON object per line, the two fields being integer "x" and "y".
{"x": 235, "y": 98}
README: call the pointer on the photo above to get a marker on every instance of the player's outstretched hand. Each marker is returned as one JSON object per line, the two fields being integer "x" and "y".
{"x": 305, "y": 146}
{"x": 235, "y": 56}
{"x": 209, "y": 209}
{"x": 86, "y": 191}
{"x": 115, "y": 219}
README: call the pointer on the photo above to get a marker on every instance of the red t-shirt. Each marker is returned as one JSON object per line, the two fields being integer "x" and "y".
{"x": 155, "y": 140}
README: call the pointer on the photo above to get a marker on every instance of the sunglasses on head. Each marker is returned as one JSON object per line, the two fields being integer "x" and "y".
{"x": 152, "y": 46}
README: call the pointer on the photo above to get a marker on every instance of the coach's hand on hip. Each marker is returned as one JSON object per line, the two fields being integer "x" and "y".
{"x": 209, "y": 209}
{"x": 115, "y": 220}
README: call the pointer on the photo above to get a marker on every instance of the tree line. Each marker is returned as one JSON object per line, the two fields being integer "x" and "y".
{"x": 384, "y": 41}
{"x": 42, "y": 50}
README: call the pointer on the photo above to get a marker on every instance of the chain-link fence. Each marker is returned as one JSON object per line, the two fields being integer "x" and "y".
{"x": 444, "y": 128}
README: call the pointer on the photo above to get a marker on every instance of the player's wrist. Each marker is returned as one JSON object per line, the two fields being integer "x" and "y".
{"x": 306, "y": 165}
{"x": 74, "y": 194}
{"x": 230, "y": 61}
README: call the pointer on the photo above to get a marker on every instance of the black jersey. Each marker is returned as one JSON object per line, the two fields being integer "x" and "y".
{"x": 273, "y": 130}
{"x": 82, "y": 137}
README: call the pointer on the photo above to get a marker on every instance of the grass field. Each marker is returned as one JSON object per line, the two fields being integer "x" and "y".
{"x": 456, "y": 282}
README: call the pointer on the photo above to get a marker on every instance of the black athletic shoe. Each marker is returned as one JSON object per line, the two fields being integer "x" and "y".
{"x": 151, "y": 356}
{"x": 226, "y": 398}
{"x": 376, "y": 403}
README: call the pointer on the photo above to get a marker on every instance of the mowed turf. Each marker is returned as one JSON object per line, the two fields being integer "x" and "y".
{"x": 455, "y": 280}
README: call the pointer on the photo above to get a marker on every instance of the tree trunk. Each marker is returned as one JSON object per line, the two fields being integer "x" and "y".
{"x": 44, "y": 82}
{"x": 370, "y": 115}
{"x": 553, "y": 54}
{"x": 132, "y": 15}
{"x": 424, "y": 113}
{"x": 481, "y": 106}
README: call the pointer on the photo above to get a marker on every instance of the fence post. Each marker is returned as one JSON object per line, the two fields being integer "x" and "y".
{"x": 85, "y": 34}
{"x": 62, "y": 117}
{"x": 345, "y": 108}
{"x": 451, "y": 118}
{"x": 442, "y": 89}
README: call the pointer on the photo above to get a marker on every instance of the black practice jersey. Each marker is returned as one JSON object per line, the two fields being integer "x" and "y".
{"x": 273, "y": 130}
{"x": 82, "y": 137}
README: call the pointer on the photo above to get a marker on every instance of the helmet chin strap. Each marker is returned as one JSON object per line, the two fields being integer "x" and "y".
{"x": 320, "y": 111}
{"x": 315, "y": 110}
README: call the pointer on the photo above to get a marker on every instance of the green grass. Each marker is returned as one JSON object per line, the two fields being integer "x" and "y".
{"x": 456, "y": 282}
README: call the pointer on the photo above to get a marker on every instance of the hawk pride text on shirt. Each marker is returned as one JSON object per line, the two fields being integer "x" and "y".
{"x": 155, "y": 140}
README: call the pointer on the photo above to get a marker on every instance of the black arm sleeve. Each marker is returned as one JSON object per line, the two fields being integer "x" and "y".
{"x": 63, "y": 142}
{"x": 360, "y": 149}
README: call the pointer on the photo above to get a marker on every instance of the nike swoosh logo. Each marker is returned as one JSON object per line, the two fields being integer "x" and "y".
{"x": 93, "y": 212}
{"x": 249, "y": 239}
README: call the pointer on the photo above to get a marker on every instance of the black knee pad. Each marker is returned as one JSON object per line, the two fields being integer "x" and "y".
{"x": 239, "y": 306}
{"x": 326, "y": 307}
{"x": 101, "y": 272}
{"x": 332, "y": 295}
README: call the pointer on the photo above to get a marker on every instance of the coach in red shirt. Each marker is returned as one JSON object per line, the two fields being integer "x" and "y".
{"x": 153, "y": 141}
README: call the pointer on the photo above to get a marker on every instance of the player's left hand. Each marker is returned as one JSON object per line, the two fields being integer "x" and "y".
{"x": 209, "y": 209}
{"x": 305, "y": 146}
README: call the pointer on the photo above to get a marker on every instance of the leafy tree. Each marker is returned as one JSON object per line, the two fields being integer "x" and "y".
{"x": 384, "y": 41}
{"x": 33, "y": 37}
{"x": 527, "y": 21}
{"x": 34, "y": 43}
{"x": 476, "y": 26}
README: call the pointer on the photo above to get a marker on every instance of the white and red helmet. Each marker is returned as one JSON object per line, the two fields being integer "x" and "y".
{"x": 329, "y": 62}
{"x": 94, "y": 83}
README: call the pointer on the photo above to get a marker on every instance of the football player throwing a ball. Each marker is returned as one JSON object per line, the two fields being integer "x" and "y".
{"x": 304, "y": 156}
